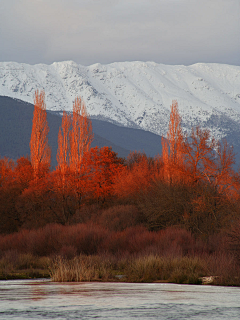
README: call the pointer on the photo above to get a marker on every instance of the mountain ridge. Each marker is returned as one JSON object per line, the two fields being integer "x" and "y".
{"x": 133, "y": 94}
{"x": 136, "y": 94}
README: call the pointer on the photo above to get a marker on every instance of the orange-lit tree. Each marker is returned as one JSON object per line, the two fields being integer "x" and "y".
{"x": 6, "y": 171}
{"x": 209, "y": 167}
{"x": 102, "y": 165}
{"x": 40, "y": 152}
{"x": 81, "y": 135}
{"x": 63, "y": 143}
{"x": 74, "y": 140}
{"x": 174, "y": 135}
{"x": 136, "y": 176}
{"x": 14, "y": 178}
{"x": 198, "y": 150}
{"x": 172, "y": 146}
{"x": 221, "y": 173}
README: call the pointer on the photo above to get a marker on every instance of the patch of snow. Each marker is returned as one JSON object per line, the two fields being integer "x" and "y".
{"x": 134, "y": 94}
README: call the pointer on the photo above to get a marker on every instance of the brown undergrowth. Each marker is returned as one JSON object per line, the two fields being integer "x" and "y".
{"x": 88, "y": 252}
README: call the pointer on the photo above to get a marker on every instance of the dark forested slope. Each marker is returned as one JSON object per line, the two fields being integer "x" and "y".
{"x": 16, "y": 125}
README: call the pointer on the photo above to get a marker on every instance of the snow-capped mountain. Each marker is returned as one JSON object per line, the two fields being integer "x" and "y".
{"x": 134, "y": 94}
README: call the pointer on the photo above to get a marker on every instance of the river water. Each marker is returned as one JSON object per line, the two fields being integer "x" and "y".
{"x": 43, "y": 299}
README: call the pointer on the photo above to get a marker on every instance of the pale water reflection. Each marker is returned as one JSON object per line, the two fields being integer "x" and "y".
{"x": 43, "y": 299}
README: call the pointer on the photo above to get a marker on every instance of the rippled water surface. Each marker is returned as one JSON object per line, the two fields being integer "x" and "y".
{"x": 43, "y": 299}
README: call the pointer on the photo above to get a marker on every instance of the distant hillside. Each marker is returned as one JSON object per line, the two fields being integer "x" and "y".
{"x": 135, "y": 94}
{"x": 16, "y": 125}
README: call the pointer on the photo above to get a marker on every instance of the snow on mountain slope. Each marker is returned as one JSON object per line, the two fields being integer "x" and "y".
{"x": 134, "y": 94}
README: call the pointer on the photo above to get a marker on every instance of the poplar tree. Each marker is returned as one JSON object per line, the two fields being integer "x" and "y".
{"x": 74, "y": 140}
{"x": 40, "y": 153}
{"x": 63, "y": 143}
{"x": 172, "y": 146}
{"x": 81, "y": 135}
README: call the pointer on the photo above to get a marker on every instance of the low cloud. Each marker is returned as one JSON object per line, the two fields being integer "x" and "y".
{"x": 90, "y": 31}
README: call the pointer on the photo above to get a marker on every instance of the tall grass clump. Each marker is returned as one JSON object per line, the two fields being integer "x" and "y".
{"x": 128, "y": 268}
{"x": 23, "y": 265}
{"x": 151, "y": 268}
{"x": 155, "y": 268}
{"x": 81, "y": 268}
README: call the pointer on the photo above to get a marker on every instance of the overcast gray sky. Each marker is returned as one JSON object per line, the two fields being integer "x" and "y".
{"x": 105, "y": 31}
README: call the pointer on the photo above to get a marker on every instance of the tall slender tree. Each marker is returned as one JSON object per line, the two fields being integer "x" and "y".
{"x": 81, "y": 135}
{"x": 74, "y": 140}
{"x": 172, "y": 146}
{"x": 174, "y": 135}
{"x": 39, "y": 148}
{"x": 63, "y": 143}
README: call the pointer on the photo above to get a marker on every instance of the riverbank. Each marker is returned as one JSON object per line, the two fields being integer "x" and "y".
{"x": 89, "y": 253}
{"x": 25, "y": 274}
{"x": 14, "y": 265}
{"x": 207, "y": 269}
{"x": 222, "y": 270}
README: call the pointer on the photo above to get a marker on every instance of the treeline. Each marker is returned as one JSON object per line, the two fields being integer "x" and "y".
{"x": 192, "y": 185}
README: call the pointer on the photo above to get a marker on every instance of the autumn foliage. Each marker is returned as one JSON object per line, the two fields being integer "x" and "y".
{"x": 40, "y": 152}
{"x": 81, "y": 135}
{"x": 192, "y": 185}
{"x": 64, "y": 143}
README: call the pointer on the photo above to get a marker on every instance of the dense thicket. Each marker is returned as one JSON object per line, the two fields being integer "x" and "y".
{"x": 192, "y": 185}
